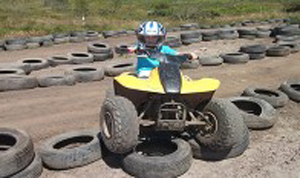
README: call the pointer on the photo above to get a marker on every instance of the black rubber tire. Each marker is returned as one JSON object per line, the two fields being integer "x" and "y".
{"x": 121, "y": 136}
{"x": 36, "y": 39}
{"x": 99, "y": 48}
{"x": 47, "y": 43}
{"x": 102, "y": 56}
{"x": 253, "y": 48}
{"x": 263, "y": 34}
{"x": 59, "y": 60}
{"x": 190, "y": 64}
{"x": 202, "y": 152}
{"x": 86, "y": 73}
{"x": 229, "y": 36}
{"x": 171, "y": 164}
{"x": 14, "y": 47}
{"x": 210, "y": 38}
{"x": 291, "y": 87}
{"x": 249, "y": 31}
{"x": 17, "y": 82}
{"x": 32, "y": 45}
{"x": 275, "y": 97}
{"x": 257, "y": 113}
{"x": 33, "y": 170}
{"x": 16, "y": 41}
{"x": 76, "y": 39}
{"x": 121, "y": 49}
{"x": 17, "y": 151}
{"x": 92, "y": 34}
{"x": 56, "y": 154}
{"x": 256, "y": 56}
{"x": 117, "y": 69}
{"x": 107, "y": 34}
{"x": 211, "y": 60}
{"x": 230, "y": 125}
{"x": 235, "y": 58}
{"x": 190, "y": 41}
{"x": 80, "y": 57}
{"x": 35, "y": 63}
{"x": 56, "y": 80}
{"x": 61, "y": 40}
{"x": 278, "y": 51}
{"x": 190, "y": 35}
{"x": 9, "y": 71}
{"x": 25, "y": 67}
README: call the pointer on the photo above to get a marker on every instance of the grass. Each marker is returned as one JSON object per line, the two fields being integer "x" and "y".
{"x": 35, "y": 17}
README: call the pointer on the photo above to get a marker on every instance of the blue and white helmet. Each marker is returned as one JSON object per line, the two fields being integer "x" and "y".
{"x": 151, "y": 33}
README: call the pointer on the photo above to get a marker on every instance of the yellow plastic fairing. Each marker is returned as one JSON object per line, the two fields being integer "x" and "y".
{"x": 153, "y": 84}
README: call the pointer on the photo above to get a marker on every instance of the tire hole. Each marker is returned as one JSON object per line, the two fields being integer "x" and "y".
{"x": 85, "y": 69}
{"x": 122, "y": 65}
{"x": 156, "y": 148}
{"x": 248, "y": 107}
{"x": 73, "y": 142}
{"x": 32, "y": 61}
{"x": 80, "y": 55}
{"x": 296, "y": 87}
{"x": 6, "y": 142}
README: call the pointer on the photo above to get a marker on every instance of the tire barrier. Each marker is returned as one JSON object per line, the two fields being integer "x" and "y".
{"x": 117, "y": 69}
{"x": 35, "y": 63}
{"x": 254, "y": 51}
{"x": 173, "y": 41}
{"x": 190, "y": 37}
{"x": 249, "y": 33}
{"x": 100, "y": 51}
{"x": 19, "y": 152}
{"x": 235, "y": 58}
{"x": 72, "y": 149}
{"x": 291, "y": 88}
{"x": 86, "y": 73}
{"x": 210, "y": 35}
{"x": 257, "y": 113}
{"x": 228, "y": 34}
{"x": 80, "y": 57}
{"x": 59, "y": 60}
{"x": 210, "y": 60}
{"x": 278, "y": 51}
{"x": 174, "y": 158}
{"x": 275, "y": 97}
{"x": 56, "y": 80}
{"x": 17, "y": 82}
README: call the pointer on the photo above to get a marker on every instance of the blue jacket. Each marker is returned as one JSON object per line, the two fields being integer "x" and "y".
{"x": 147, "y": 63}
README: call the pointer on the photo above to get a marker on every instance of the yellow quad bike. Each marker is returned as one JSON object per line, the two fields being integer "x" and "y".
{"x": 165, "y": 101}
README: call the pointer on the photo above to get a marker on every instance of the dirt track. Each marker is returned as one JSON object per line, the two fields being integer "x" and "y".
{"x": 45, "y": 112}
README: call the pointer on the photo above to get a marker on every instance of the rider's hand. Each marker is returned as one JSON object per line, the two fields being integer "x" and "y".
{"x": 193, "y": 56}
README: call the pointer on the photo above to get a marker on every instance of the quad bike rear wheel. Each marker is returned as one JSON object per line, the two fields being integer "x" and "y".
{"x": 119, "y": 124}
{"x": 224, "y": 124}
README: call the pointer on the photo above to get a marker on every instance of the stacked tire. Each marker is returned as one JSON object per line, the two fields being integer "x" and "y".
{"x": 228, "y": 34}
{"x": 249, "y": 33}
{"x": 210, "y": 35}
{"x": 254, "y": 51}
{"x": 190, "y": 37}
{"x": 34, "y": 42}
{"x": 18, "y": 158}
{"x": 15, "y": 44}
{"x": 77, "y": 37}
{"x": 100, "y": 51}
{"x": 263, "y": 32}
{"x": 60, "y": 38}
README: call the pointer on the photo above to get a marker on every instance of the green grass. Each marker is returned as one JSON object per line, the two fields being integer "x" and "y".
{"x": 32, "y": 17}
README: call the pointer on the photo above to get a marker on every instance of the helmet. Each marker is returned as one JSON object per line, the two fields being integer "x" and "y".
{"x": 151, "y": 34}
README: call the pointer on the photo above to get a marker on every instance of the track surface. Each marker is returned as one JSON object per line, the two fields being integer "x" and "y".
{"x": 45, "y": 112}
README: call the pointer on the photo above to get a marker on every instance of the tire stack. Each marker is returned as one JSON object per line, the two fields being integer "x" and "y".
{"x": 211, "y": 35}
{"x": 77, "y": 37}
{"x": 92, "y": 36}
{"x": 47, "y": 41}
{"x": 263, "y": 32}
{"x": 190, "y": 37}
{"x": 249, "y": 33}
{"x": 122, "y": 49}
{"x": 190, "y": 26}
{"x": 287, "y": 30}
{"x": 18, "y": 158}
{"x": 235, "y": 58}
{"x": 14, "y": 44}
{"x": 60, "y": 38}
{"x": 33, "y": 42}
{"x": 278, "y": 51}
{"x": 228, "y": 33}
{"x": 173, "y": 41}
{"x": 254, "y": 51}
{"x": 100, "y": 51}
{"x": 291, "y": 41}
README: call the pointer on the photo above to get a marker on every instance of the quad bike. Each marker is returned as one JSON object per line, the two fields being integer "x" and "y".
{"x": 165, "y": 101}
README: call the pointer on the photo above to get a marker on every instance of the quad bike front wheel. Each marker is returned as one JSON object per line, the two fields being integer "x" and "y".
{"x": 119, "y": 124}
{"x": 224, "y": 125}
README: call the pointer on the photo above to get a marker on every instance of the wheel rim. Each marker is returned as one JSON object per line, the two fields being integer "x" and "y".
{"x": 107, "y": 125}
{"x": 211, "y": 126}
